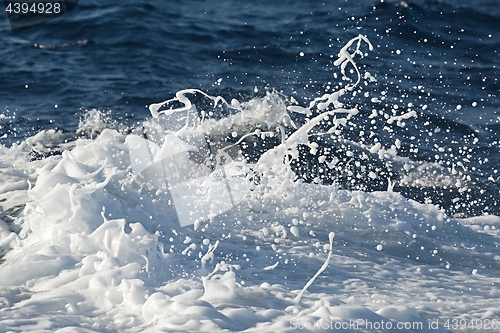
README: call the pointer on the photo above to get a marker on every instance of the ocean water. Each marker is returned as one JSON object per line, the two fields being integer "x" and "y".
{"x": 229, "y": 166}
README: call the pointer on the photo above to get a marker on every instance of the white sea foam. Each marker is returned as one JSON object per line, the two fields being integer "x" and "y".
{"x": 88, "y": 246}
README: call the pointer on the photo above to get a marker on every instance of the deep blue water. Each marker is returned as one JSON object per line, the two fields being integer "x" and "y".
{"x": 121, "y": 56}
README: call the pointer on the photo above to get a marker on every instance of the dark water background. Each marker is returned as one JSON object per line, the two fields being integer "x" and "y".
{"x": 120, "y": 56}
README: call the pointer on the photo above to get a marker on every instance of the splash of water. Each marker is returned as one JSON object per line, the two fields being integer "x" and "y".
{"x": 187, "y": 183}
{"x": 297, "y": 299}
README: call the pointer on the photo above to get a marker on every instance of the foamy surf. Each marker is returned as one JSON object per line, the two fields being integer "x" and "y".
{"x": 91, "y": 245}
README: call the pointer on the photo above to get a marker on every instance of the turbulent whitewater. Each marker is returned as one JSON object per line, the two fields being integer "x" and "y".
{"x": 90, "y": 242}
